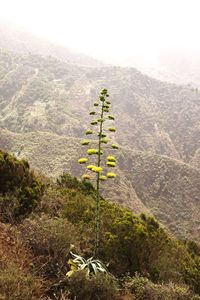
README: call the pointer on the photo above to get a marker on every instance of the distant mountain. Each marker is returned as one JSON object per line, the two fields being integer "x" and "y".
{"x": 179, "y": 67}
{"x": 44, "y": 107}
{"x": 48, "y": 95}
{"x": 20, "y": 41}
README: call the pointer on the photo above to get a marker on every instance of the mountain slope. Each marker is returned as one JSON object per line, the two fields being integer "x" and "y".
{"x": 44, "y": 100}
{"x": 168, "y": 187}
{"x": 45, "y": 94}
{"x": 165, "y": 187}
{"x": 62, "y": 156}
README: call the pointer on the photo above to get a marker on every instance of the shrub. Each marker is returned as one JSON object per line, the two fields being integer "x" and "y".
{"x": 96, "y": 287}
{"x": 130, "y": 243}
{"x": 192, "y": 275}
{"x": 49, "y": 239}
{"x": 143, "y": 289}
{"x": 20, "y": 190}
{"x": 16, "y": 284}
{"x": 67, "y": 181}
{"x": 51, "y": 202}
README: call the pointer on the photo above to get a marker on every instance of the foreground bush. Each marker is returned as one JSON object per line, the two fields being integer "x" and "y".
{"x": 15, "y": 284}
{"x": 130, "y": 243}
{"x": 20, "y": 190}
{"x": 49, "y": 239}
{"x": 92, "y": 288}
{"x": 143, "y": 289}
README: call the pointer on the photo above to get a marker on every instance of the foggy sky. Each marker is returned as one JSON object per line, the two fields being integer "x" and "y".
{"x": 116, "y": 31}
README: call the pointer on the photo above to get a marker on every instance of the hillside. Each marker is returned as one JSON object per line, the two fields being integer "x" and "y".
{"x": 47, "y": 95}
{"x": 35, "y": 244}
{"x": 146, "y": 182}
{"x": 44, "y": 99}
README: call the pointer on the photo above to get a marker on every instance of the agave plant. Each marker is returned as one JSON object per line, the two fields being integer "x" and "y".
{"x": 102, "y": 128}
{"x": 91, "y": 266}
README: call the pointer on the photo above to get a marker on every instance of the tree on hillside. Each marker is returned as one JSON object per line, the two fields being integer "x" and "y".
{"x": 100, "y": 164}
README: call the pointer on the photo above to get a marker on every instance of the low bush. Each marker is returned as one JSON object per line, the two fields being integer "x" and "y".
{"x": 143, "y": 289}
{"x": 67, "y": 181}
{"x": 49, "y": 240}
{"x": 97, "y": 287}
{"x": 20, "y": 189}
{"x": 18, "y": 284}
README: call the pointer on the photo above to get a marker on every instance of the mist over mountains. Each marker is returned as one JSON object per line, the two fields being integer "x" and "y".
{"x": 45, "y": 94}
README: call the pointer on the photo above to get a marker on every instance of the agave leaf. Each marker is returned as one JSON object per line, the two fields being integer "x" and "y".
{"x": 94, "y": 269}
{"x": 71, "y": 263}
{"x": 69, "y": 274}
{"x": 91, "y": 265}
{"x": 90, "y": 259}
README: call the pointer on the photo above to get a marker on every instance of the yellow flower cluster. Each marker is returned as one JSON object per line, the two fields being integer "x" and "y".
{"x": 89, "y": 167}
{"x": 114, "y": 146}
{"x": 111, "y": 164}
{"x": 94, "y": 168}
{"x": 92, "y": 151}
{"x": 82, "y": 160}
{"x": 97, "y": 169}
{"x": 111, "y": 175}
{"x": 112, "y": 129}
{"x": 94, "y": 122}
{"x": 111, "y": 158}
{"x": 86, "y": 176}
{"x": 105, "y": 141}
{"x": 102, "y": 177}
{"x": 85, "y": 142}
{"x": 89, "y": 131}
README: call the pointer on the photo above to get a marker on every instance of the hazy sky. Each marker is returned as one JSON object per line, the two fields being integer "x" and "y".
{"x": 115, "y": 30}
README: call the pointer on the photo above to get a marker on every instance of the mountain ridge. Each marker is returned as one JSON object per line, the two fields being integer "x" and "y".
{"x": 45, "y": 99}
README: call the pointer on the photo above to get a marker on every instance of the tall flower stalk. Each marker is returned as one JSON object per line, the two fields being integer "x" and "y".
{"x": 100, "y": 168}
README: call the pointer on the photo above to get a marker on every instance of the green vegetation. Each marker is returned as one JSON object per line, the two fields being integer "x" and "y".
{"x": 101, "y": 286}
{"x": 64, "y": 214}
{"x": 143, "y": 288}
{"x": 20, "y": 190}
